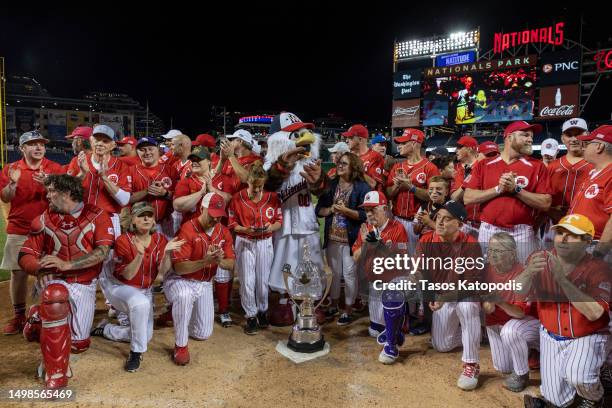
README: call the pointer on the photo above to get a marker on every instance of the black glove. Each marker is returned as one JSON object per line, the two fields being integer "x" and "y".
{"x": 371, "y": 237}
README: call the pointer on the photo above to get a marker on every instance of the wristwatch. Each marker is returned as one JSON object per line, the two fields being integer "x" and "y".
{"x": 517, "y": 189}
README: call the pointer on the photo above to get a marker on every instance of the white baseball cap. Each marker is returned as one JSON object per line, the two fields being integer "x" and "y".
{"x": 104, "y": 130}
{"x": 574, "y": 123}
{"x": 172, "y": 134}
{"x": 550, "y": 147}
{"x": 374, "y": 199}
{"x": 243, "y": 135}
{"x": 288, "y": 122}
{"x": 340, "y": 147}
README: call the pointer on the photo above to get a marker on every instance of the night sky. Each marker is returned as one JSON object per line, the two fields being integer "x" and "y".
{"x": 310, "y": 60}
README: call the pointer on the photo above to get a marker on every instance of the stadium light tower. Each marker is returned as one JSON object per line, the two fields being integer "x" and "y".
{"x": 458, "y": 41}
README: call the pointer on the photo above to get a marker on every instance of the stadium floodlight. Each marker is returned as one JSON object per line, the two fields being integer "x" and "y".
{"x": 455, "y": 41}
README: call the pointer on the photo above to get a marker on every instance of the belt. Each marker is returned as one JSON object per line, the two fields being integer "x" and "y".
{"x": 556, "y": 336}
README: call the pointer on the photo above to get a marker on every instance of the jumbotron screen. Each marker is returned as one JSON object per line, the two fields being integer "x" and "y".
{"x": 479, "y": 97}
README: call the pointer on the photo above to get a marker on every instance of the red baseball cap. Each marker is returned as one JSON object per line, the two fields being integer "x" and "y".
{"x": 83, "y": 132}
{"x": 603, "y": 133}
{"x": 357, "y": 130}
{"x": 205, "y": 140}
{"x": 215, "y": 204}
{"x": 127, "y": 140}
{"x": 411, "y": 135}
{"x": 522, "y": 125}
{"x": 467, "y": 141}
{"x": 488, "y": 147}
{"x": 374, "y": 199}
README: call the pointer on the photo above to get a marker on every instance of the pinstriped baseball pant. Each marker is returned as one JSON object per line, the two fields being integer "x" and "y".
{"x": 526, "y": 241}
{"x": 511, "y": 342}
{"x": 253, "y": 263}
{"x": 457, "y": 324}
{"x": 571, "y": 366}
{"x": 193, "y": 310}
{"x": 82, "y": 307}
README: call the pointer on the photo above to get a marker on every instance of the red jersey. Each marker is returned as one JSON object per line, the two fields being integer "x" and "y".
{"x": 592, "y": 277}
{"x": 473, "y": 210}
{"x": 125, "y": 252}
{"x": 168, "y": 158}
{"x": 94, "y": 191}
{"x": 130, "y": 160}
{"x": 566, "y": 179}
{"x": 30, "y": 197}
{"x": 227, "y": 180}
{"x": 72, "y": 168}
{"x": 143, "y": 177}
{"x": 465, "y": 246}
{"x": 70, "y": 238}
{"x": 373, "y": 165}
{"x": 196, "y": 247}
{"x": 182, "y": 169}
{"x": 246, "y": 213}
{"x": 405, "y": 204}
{"x": 499, "y": 316}
{"x": 594, "y": 199}
{"x": 506, "y": 210}
{"x": 392, "y": 233}
{"x": 185, "y": 187}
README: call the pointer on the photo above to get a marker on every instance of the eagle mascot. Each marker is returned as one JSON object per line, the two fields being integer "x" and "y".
{"x": 294, "y": 172}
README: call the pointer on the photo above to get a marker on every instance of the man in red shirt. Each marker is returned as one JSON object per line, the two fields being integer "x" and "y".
{"x": 127, "y": 147}
{"x": 169, "y": 157}
{"x": 510, "y": 189}
{"x": 467, "y": 156}
{"x": 487, "y": 149}
{"x": 573, "y": 292}
{"x": 594, "y": 199}
{"x": 65, "y": 250}
{"x": 208, "y": 245}
{"x": 154, "y": 183}
{"x": 373, "y": 162}
{"x": 378, "y": 228}
{"x": 408, "y": 180}
{"x": 80, "y": 143}
{"x": 21, "y": 185}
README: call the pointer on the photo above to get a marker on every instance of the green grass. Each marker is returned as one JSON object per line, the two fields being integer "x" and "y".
{"x": 4, "y": 275}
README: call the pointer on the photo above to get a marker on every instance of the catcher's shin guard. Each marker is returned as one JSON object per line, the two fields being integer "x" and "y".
{"x": 55, "y": 335}
{"x": 394, "y": 311}
{"x": 31, "y": 330}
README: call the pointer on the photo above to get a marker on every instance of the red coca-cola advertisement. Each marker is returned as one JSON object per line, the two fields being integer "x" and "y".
{"x": 562, "y": 101}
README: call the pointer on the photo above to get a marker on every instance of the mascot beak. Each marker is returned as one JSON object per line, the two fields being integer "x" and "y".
{"x": 305, "y": 140}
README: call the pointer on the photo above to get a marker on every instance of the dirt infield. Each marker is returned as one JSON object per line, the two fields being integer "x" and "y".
{"x": 232, "y": 369}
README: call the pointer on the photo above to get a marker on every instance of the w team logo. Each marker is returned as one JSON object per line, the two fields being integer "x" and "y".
{"x": 592, "y": 191}
{"x": 113, "y": 178}
{"x": 166, "y": 182}
{"x": 522, "y": 181}
{"x": 421, "y": 178}
{"x": 270, "y": 213}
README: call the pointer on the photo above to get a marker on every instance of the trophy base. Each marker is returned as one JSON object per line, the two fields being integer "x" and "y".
{"x": 306, "y": 347}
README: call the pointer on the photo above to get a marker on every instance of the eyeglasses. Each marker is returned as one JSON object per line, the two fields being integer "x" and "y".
{"x": 585, "y": 144}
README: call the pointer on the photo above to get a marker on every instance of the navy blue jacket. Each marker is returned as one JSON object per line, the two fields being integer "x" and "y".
{"x": 360, "y": 189}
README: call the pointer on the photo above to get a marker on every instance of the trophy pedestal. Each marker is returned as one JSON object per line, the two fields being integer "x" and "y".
{"x": 306, "y": 336}
{"x": 301, "y": 347}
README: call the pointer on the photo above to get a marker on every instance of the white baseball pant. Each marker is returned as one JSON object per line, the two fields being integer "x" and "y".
{"x": 375, "y": 306}
{"x": 511, "y": 342}
{"x": 526, "y": 241}
{"x": 223, "y": 275}
{"x": 413, "y": 238}
{"x": 456, "y": 324}
{"x": 253, "y": 262}
{"x": 82, "y": 307}
{"x": 571, "y": 366}
{"x": 137, "y": 304}
{"x": 342, "y": 265}
{"x": 193, "y": 310}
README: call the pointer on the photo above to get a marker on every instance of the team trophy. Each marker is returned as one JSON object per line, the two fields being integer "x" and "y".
{"x": 305, "y": 289}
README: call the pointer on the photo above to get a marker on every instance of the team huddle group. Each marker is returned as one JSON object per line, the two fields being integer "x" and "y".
{"x": 204, "y": 212}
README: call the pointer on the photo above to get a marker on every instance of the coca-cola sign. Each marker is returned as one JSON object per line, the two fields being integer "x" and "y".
{"x": 406, "y": 113}
{"x": 559, "y": 101}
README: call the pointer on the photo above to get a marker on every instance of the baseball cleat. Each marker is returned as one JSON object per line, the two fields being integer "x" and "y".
{"x": 181, "y": 355}
{"x": 99, "y": 329}
{"x": 375, "y": 329}
{"x": 251, "y": 326}
{"x": 388, "y": 355}
{"x": 534, "y": 402}
{"x": 468, "y": 380}
{"x": 516, "y": 383}
{"x": 133, "y": 362}
{"x": 262, "y": 320}
{"x": 344, "y": 320}
{"x": 14, "y": 326}
{"x": 580, "y": 402}
{"x": 226, "y": 320}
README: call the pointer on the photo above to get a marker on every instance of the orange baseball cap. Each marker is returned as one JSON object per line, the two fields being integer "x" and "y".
{"x": 577, "y": 224}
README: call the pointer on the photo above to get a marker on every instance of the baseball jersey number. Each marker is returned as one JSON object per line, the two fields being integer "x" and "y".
{"x": 304, "y": 200}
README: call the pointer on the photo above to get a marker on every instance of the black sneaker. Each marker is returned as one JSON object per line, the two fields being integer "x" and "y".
{"x": 158, "y": 289}
{"x": 331, "y": 313}
{"x": 133, "y": 362}
{"x": 251, "y": 326}
{"x": 262, "y": 320}
{"x": 99, "y": 329}
{"x": 344, "y": 319}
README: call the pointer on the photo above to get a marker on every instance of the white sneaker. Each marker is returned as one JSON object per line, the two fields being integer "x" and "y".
{"x": 468, "y": 380}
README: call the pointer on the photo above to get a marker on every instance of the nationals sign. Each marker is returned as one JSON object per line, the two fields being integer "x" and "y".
{"x": 549, "y": 35}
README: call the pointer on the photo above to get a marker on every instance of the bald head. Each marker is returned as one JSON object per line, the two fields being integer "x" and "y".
{"x": 181, "y": 146}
